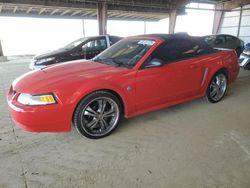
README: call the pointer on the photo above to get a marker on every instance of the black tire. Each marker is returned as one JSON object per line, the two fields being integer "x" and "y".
{"x": 83, "y": 118}
{"x": 223, "y": 89}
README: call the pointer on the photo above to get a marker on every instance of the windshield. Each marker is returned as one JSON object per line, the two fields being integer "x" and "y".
{"x": 125, "y": 53}
{"x": 75, "y": 43}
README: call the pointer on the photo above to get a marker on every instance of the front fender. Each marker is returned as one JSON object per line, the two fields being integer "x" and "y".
{"x": 126, "y": 96}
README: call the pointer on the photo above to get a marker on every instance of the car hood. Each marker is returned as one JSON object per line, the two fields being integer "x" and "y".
{"x": 55, "y": 77}
{"x": 52, "y": 53}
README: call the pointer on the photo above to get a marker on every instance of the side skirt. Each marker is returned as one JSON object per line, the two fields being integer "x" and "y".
{"x": 168, "y": 104}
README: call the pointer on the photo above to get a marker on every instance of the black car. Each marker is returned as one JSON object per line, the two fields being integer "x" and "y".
{"x": 83, "y": 48}
{"x": 225, "y": 41}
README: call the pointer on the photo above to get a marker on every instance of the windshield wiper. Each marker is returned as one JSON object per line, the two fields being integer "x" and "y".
{"x": 120, "y": 63}
{"x": 108, "y": 61}
{"x": 112, "y": 61}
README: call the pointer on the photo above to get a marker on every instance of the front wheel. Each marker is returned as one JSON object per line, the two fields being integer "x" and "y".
{"x": 97, "y": 115}
{"x": 217, "y": 87}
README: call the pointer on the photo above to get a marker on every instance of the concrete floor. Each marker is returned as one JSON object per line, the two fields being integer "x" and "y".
{"x": 191, "y": 145}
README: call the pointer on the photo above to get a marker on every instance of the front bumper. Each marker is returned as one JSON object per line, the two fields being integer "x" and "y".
{"x": 244, "y": 61}
{"x": 48, "y": 118}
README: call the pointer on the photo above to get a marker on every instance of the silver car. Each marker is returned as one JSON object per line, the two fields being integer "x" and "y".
{"x": 245, "y": 59}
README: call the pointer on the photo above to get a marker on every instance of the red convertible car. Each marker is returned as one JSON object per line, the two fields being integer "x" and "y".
{"x": 136, "y": 75}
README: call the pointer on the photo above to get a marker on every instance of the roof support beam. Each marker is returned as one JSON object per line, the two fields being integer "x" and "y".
{"x": 238, "y": 31}
{"x": 1, "y": 6}
{"x": 28, "y": 11}
{"x": 65, "y": 12}
{"x": 172, "y": 21}
{"x": 54, "y": 3}
{"x": 54, "y": 11}
{"x": 112, "y": 14}
{"x": 83, "y": 28}
{"x": 140, "y": 9}
{"x": 41, "y": 11}
{"x": 86, "y": 13}
{"x": 217, "y": 18}
{"x": 229, "y": 5}
{"x": 92, "y": 14}
{"x": 102, "y": 17}
{"x": 14, "y": 10}
{"x": 1, "y": 50}
{"x": 76, "y": 12}
{"x": 124, "y": 15}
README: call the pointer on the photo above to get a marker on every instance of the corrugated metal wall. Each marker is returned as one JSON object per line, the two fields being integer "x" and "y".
{"x": 236, "y": 23}
{"x": 244, "y": 33}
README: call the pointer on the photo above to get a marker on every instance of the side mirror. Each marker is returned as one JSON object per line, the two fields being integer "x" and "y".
{"x": 155, "y": 62}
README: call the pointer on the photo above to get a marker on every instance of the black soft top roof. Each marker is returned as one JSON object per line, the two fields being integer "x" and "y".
{"x": 171, "y": 36}
{"x": 166, "y": 37}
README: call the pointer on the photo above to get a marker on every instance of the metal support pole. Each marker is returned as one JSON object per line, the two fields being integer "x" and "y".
{"x": 217, "y": 19}
{"x": 145, "y": 27}
{"x": 102, "y": 17}
{"x": 172, "y": 21}
{"x": 238, "y": 31}
{"x": 83, "y": 28}
{"x": 1, "y": 50}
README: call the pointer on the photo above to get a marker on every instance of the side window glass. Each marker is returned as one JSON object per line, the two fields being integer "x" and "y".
{"x": 229, "y": 39}
{"x": 167, "y": 52}
{"x": 88, "y": 46}
{"x": 220, "y": 40}
{"x": 178, "y": 49}
{"x": 101, "y": 44}
{"x": 93, "y": 45}
{"x": 194, "y": 50}
{"x": 210, "y": 39}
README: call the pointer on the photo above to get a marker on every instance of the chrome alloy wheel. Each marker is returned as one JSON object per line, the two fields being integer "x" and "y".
{"x": 100, "y": 116}
{"x": 218, "y": 87}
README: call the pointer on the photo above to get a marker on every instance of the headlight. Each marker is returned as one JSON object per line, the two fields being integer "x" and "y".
{"x": 247, "y": 52}
{"x": 44, "y": 99}
{"x": 41, "y": 61}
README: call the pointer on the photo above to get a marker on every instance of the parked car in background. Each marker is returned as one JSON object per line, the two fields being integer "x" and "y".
{"x": 83, "y": 48}
{"x": 134, "y": 76}
{"x": 245, "y": 57}
{"x": 225, "y": 41}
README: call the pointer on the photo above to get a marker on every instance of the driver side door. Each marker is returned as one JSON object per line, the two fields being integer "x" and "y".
{"x": 149, "y": 87}
{"x": 176, "y": 79}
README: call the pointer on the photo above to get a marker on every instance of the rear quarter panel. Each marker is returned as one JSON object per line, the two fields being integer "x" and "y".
{"x": 222, "y": 59}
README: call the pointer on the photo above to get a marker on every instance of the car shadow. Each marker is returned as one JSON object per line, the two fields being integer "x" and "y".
{"x": 235, "y": 90}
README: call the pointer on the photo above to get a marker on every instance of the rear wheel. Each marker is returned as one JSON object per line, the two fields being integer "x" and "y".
{"x": 97, "y": 115}
{"x": 217, "y": 87}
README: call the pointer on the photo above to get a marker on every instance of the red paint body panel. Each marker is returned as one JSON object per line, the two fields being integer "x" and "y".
{"x": 153, "y": 88}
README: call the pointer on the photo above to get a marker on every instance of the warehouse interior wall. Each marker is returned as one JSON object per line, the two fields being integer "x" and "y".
{"x": 237, "y": 23}
{"x": 21, "y": 36}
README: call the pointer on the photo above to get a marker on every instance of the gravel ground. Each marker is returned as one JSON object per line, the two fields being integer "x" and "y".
{"x": 191, "y": 145}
